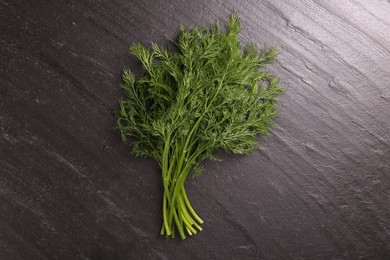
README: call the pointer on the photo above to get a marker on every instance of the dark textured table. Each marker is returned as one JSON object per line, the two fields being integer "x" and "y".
{"x": 318, "y": 187}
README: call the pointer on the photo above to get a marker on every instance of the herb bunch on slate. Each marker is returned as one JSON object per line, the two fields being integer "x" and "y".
{"x": 209, "y": 95}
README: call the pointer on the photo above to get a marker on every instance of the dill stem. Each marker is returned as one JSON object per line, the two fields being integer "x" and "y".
{"x": 165, "y": 182}
{"x": 187, "y": 202}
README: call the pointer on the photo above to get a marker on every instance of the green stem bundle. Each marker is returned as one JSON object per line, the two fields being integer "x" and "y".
{"x": 178, "y": 214}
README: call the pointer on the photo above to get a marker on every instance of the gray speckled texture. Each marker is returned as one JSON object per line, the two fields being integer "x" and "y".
{"x": 318, "y": 187}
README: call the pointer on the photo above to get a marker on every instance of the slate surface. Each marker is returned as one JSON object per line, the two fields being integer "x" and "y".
{"x": 318, "y": 188}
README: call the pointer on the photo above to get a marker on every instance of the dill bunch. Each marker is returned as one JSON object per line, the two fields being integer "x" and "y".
{"x": 208, "y": 95}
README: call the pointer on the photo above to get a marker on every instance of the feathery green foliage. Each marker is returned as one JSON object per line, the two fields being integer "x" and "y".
{"x": 209, "y": 95}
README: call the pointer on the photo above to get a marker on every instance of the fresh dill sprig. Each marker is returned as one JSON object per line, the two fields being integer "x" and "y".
{"x": 209, "y": 95}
